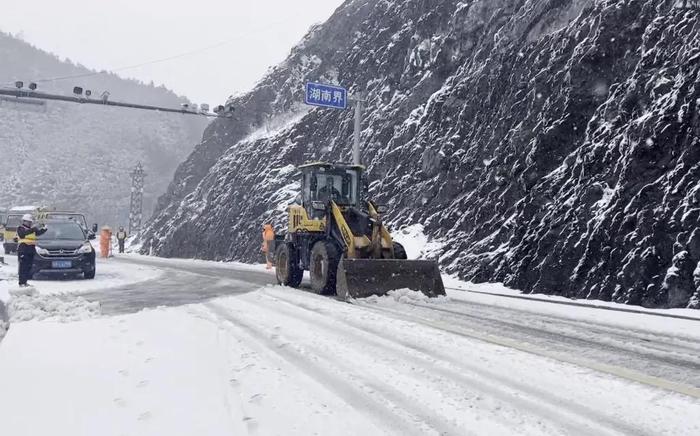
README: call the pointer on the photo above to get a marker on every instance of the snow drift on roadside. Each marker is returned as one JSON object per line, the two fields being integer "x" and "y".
{"x": 28, "y": 304}
{"x": 417, "y": 243}
{"x": 405, "y": 296}
{"x": 110, "y": 274}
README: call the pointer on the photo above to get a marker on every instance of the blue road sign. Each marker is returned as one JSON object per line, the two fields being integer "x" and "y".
{"x": 334, "y": 97}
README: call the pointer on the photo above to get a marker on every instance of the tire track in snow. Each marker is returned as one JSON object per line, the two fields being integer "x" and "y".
{"x": 374, "y": 401}
{"x": 671, "y": 342}
{"x": 625, "y": 373}
{"x": 571, "y": 338}
{"x": 575, "y": 418}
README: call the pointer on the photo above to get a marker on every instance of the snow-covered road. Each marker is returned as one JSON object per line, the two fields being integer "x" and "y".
{"x": 232, "y": 354}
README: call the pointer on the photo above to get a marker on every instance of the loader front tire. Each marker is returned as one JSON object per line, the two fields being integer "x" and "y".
{"x": 324, "y": 267}
{"x": 399, "y": 252}
{"x": 287, "y": 266}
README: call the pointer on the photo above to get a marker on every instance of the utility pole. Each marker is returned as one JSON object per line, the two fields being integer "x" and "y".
{"x": 136, "y": 207}
{"x": 357, "y": 99}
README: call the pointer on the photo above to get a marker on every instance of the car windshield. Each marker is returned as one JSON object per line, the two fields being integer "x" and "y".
{"x": 63, "y": 231}
{"x": 75, "y": 217}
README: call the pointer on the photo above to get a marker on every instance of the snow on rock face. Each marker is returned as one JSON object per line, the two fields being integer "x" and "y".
{"x": 552, "y": 145}
{"x": 417, "y": 243}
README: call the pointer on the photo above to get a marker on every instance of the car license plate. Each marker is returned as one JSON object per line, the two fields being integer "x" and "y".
{"x": 61, "y": 264}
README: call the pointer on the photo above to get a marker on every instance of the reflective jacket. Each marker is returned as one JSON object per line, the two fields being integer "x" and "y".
{"x": 121, "y": 235}
{"x": 268, "y": 233}
{"x": 268, "y": 236}
{"x": 28, "y": 235}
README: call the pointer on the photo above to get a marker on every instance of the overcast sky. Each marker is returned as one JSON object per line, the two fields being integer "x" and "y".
{"x": 108, "y": 34}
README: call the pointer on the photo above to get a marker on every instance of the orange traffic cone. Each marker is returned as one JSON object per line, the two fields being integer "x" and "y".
{"x": 105, "y": 242}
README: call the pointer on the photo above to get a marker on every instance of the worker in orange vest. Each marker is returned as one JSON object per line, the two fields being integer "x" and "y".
{"x": 105, "y": 242}
{"x": 268, "y": 235}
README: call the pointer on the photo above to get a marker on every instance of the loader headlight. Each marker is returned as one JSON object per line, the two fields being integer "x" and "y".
{"x": 86, "y": 248}
{"x": 42, "y": 251}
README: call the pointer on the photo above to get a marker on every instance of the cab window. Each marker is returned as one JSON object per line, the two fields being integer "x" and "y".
{"x": 13, "y": 221}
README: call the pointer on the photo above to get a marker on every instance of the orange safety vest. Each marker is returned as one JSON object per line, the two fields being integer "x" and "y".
{"x": 268, "y": 235}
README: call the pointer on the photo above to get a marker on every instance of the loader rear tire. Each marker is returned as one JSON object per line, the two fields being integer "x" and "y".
{"x": 324, "y": 267}
{"x": 399, "y": 252}
{"x": 287, "y": 266}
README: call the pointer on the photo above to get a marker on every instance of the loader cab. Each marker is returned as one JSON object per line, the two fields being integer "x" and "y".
{"x": 323, "y": 182}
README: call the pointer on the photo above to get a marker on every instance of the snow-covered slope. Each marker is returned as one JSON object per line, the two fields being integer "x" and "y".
{"x": 551, "y": 144}
{"x": 80, "y": 157}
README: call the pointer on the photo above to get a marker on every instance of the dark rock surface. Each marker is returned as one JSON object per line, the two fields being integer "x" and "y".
{"x": 553, "y": 145}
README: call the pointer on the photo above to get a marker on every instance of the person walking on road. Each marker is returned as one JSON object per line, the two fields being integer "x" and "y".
{"x": 121, "y": 239}
{"x": 27, "y": 235}
{"x": 268, "y": 235}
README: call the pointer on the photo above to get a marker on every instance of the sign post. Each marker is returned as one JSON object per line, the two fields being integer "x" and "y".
{"x": 357, "y": 99}
{"x": 336, "y": 97}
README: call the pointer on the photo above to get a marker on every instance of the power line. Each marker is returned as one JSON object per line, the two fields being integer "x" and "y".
{"x": 128, "y": 67}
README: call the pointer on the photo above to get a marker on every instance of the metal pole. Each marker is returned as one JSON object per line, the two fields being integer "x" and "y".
{"x": 18, "y": 93}
{"x": 136, "y": 206}
{"x": 358, "y": 126}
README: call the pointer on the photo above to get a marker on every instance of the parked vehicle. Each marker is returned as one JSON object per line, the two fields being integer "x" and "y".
{"x": 3, "y": 217}
{"x": 65, "y": 250}
{"x": 11, "y": 222}
{"x": 41, "y": 214}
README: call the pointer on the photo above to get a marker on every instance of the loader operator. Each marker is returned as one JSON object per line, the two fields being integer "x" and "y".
{"x": 26, "y": 237}
{"x": 328, "y": 192}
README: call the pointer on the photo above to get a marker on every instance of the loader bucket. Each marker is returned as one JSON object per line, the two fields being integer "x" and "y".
{"x": 359, "y": 278}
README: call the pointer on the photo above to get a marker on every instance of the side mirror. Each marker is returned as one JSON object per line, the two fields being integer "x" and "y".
{"x": 318, "y": 205}
{"x": 382, "y": 209}
{"x": 91, "y": 235}
{"x": 94, "y": 228}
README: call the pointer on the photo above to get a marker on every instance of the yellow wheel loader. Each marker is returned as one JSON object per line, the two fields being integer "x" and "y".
{"x": 340, "y": 239}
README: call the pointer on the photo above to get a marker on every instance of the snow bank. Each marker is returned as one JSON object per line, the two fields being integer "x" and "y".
{"x": 28, "y": 304}
{"x": 54, "y": 300}
{"x": 110, "y": 274}
{"x": 498, "y": 289}
{"x": 585, "y": 312}
{"x": 405, "y": 296}
{"x": 417, "y": 243}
